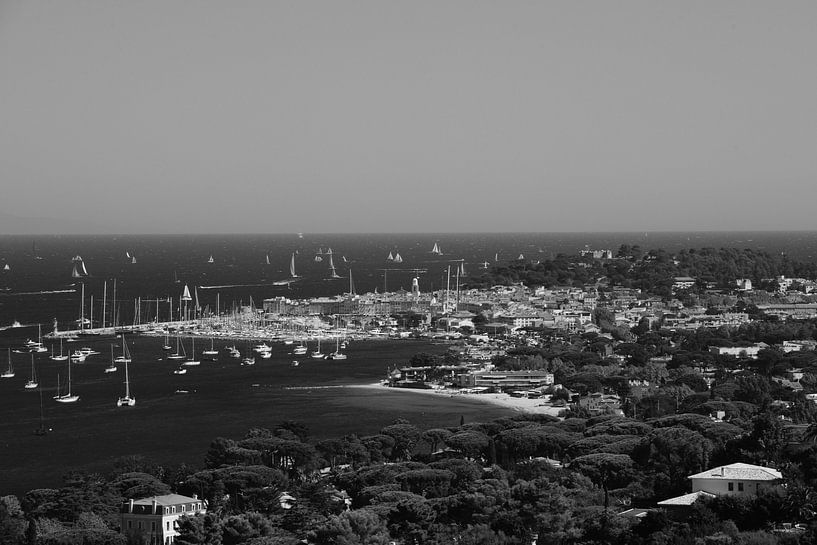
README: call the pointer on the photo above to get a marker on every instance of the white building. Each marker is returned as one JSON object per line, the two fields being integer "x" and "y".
{"x": 155, "y": 517}
{"x": 735, "y": 479}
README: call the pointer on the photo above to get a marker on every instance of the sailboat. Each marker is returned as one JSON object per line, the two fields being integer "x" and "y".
{"x": 61, "y": 356}
{"x": 436, "y": 250}
{"x": 10, "y": 372}
{"x": 397, "y": 258}
{"x": 337, "y": 354}
{"x": 210, "y": 259}
{"x": 391, "y": 257}
{"x": 37, "y": 346}
{"x": 332, "y": 272}
{"x": 133, "y": 260}
{"x": 125, "y": 357}
{"x": 317, "y": 354}
{"x": 179, "y": 353}
{"x": 112, "y": 367}
{"x": 462, "y": 268}
{"x": 68, "y": 397}
{"x": 292, "y": 267}
{"x": 521, "y": 257}
{"x": 192, "y": 361}
{"x": 42, "y": 430}
{"x": 32, "y": 382}
{"x": 167, "y": 347}
{"x": 267, "y": 259}
{"x": 128, "y": 400}
{"x": 212, "y": 353}
{"x": 79, "y": 269}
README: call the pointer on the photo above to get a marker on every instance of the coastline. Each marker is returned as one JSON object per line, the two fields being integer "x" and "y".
{"x": 519, "y": 404}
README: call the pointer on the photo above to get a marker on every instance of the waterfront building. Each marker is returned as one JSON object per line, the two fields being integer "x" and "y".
{"x": 505, "y": 380}
{"x": 153, "y": 520}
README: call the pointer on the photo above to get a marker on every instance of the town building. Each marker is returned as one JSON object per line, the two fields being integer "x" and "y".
{"x": 154, "y": 519}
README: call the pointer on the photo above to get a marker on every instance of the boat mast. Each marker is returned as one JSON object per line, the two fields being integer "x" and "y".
{"x": 104, "y": 301}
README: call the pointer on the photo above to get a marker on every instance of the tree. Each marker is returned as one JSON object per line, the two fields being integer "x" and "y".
{"x": 358, "y": 527}
{"x": 405, "y": 436}
{"x": 606, "y": 470}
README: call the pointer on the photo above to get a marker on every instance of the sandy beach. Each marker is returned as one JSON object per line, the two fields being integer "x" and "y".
{"x": 521, "y": 404}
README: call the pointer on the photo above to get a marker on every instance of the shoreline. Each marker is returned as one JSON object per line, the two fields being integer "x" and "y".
{"x": 519, "y": 404}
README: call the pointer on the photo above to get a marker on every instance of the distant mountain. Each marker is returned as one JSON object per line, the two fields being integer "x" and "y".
{"x": 11, "y": 224}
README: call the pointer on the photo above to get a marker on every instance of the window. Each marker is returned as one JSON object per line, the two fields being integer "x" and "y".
{"x": 184, "y": 508}
{"x": 152, "y": 526}
{"x": 174, "y": 508}
{"x": 168, "y": 526}
{"x": 731, "y": 487}
{"x": 740, "y": 487}
{"x": 130, "y": 524}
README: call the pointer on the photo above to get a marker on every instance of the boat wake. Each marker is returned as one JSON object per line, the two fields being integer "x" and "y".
{"x": 45, "y": 292}
{"x": 225, "y": 286}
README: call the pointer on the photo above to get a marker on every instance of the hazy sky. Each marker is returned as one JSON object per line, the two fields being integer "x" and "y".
{"x": 349, "y": 116}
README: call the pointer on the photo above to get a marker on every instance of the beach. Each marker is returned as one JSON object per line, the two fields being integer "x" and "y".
{"x": 506, "y": 401}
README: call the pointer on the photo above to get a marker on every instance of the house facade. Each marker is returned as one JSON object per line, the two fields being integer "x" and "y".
{"x": 735, "y": 480}
{"x": 155, "y": 518}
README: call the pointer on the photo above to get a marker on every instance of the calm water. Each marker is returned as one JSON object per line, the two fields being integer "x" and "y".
{"x": 226, "y": 399}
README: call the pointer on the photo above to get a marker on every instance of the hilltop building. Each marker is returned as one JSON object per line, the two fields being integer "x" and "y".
{"x": 154, "y": 518}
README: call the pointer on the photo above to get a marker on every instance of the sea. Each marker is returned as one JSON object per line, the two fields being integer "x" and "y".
{"x": 177, "y": 416}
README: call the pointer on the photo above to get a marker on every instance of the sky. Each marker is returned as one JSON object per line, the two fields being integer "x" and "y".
{"x": 124, "y": 116}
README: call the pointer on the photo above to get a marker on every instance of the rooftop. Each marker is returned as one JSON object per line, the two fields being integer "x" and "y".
{"x": 686, "y": 499}
{"x": 739, "y": 471}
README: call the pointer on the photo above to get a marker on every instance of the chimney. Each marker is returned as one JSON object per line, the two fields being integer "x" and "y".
{"x": 722, "y": 471}
{"x": 130, "y": 506}
{"x": 195, "y": 496}
{"x": 153, "y": 509}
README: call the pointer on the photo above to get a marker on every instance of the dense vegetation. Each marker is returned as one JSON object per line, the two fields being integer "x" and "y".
{"x": 651, "y": 271}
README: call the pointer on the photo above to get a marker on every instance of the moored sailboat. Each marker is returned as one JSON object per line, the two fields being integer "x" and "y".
{"x": 9, "y": 373}
{"x": 32, "y": 381}
{"x": 67, "y": 397}
{"x": 128, "y": 400}
{"x": 112, "y": 367}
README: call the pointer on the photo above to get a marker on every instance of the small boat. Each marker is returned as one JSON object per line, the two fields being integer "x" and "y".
{"x": 391, "y": 257}
{"x": 111, "y": 368}
{"x": 521, "y": 257}
{"x": 128, "y": 400}
{"x": 180, "y": 371}
{"x": 32, "y": 382}
{"x": 263, "y": 347}
{"x": 295, "y": 363}
{"x": 9, "y": 373}
{"x": 397, "y": 258}
{"x": 77, "y": 356}
{"x": 299, "y": 350}
{"x": 210, "y": 259}
{"x": 233, "y": 352}
{"x": 265, "y": 355}
{"x": 436, "y": 250}
{"x": 249, "y": 360}
{"x": 167, "y": 347}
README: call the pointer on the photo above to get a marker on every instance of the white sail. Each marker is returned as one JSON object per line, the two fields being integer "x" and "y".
{"x": 292, "y": 266}
{"x": 397, "y": 258}
{"x": 391, "y": 257}
{"x": 186, "y": 294}
{"x": 210, "y": 259}
{"x": 436, "y": 249}
{"x": 332, "y": 272}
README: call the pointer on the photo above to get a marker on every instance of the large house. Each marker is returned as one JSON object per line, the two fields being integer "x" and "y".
{"x": 155, "y": 518}
{"x": 734, "y": 479}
